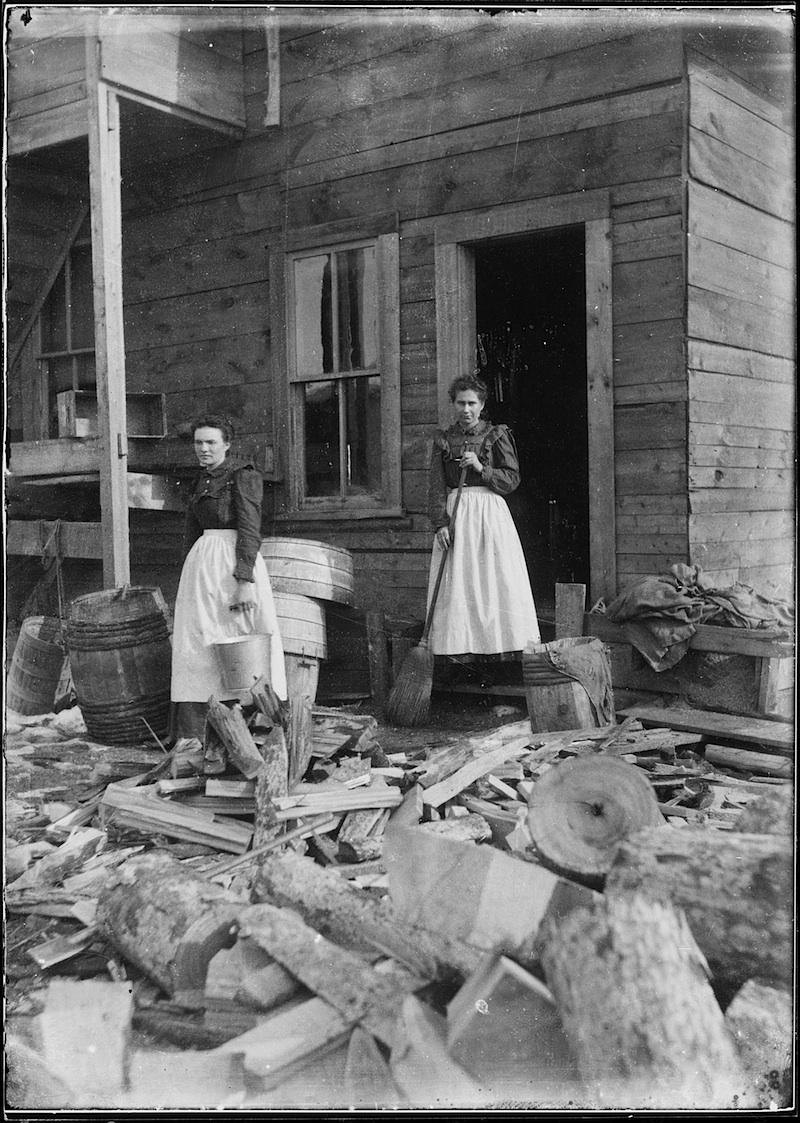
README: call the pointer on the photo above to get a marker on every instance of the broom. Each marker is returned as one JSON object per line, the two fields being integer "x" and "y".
{"x": 410, "y": 698}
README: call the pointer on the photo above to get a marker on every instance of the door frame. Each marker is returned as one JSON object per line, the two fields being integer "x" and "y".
{"x": 455, "y": 238}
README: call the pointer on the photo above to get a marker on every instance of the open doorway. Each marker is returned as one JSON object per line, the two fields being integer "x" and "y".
{"x": 530, "y": 310}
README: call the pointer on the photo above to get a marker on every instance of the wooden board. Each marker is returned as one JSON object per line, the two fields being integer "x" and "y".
{"x": 755, "y": 731}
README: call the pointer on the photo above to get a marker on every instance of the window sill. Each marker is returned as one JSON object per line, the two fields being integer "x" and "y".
{"x": 341, "y": 514}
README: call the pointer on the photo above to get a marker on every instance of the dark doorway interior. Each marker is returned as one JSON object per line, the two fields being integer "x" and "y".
{"x": 531, "y": 323}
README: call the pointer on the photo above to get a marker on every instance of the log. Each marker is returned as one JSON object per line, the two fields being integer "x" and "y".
{"x": 746, "y": 760}
{"x": 761, "y": 1021}
{"x": 229, "y": 723}
{"x": 358, "y": 921}
{"x": 582, "y": 809}
{"x": 770, "y": 813}
{"x": 736, "y": 890}
{"x": 341, "y": 978}
{"x": 168, "y": 921}
{"x": 642, "y": 1020}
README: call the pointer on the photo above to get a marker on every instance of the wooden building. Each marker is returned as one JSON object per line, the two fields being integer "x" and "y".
{"x": 314, "y": 218}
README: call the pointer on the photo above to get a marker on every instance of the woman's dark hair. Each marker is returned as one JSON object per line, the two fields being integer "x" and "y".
{"x": 468, "y": 382}
{"x": 215, "y": 421}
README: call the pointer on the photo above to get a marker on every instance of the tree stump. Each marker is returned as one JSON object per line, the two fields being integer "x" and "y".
{"x": 582, "y": 809}
{"x": 736, "y": 890}
{"x": 637, "y": 1008}
{"x": 168, "y": 921}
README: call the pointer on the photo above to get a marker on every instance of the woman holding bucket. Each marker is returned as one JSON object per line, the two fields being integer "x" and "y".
{"x": 224, "y": 590}
{"x": 484, "y": 610}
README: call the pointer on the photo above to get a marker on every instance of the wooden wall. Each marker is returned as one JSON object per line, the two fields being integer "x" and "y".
{"x": 740, "y": 322}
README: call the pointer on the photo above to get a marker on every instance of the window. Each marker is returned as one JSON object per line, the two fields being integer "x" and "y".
{"x": 66, "y": 328}
{"x": 344, "y": 377}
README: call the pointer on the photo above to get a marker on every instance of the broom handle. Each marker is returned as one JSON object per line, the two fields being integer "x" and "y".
{"x": 440, "y": 574}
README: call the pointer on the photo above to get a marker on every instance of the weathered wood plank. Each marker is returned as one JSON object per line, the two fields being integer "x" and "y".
{"x": 600, "y": 301}
{"x": 703, "y": 69}
{"x": 651, "y": 425}
{"x": 736, "y": 126}
{"x": 645, "y": 291}
{"x": 757, "y": 525}
{"x": 718, "y": 165}
{"x": 757, "y": 731}
{"x": 48, "y": 128}
{"x": 76, "y": 539}
{"x": 714, "y": 214}
{"x": 740, "y": 401}
{"x": 731, "y": 320}
{"x": 747, "y": 553}
{"x": 727, "y": 456}
{"x": 649, "y": 353}
{"x": 715, "y": 500}
{"x": 650, "y": 472}
{"x": 725, "y": 270}
{"x": 704, "y": 355}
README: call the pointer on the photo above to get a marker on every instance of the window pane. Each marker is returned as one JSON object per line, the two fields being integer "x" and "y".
{"x": 363, "y": 428}
{"x": 357, "y": 307}
{"x": 321, "y": 421}
{"x": 87, "y": 379}
{"x": 54, "y": 317}
{"x": 82, "y": 307}
{"x": 61, "y": 374}
{"x": 313, "y": 312}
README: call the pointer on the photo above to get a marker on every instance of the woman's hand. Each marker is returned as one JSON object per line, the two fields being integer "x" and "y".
{"x": 244, "y": 597}
{"x": 470, "y": 460}
{"x": 443, "y": 537}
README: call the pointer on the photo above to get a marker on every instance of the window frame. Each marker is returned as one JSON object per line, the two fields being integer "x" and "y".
{"x": 298, "y": 505}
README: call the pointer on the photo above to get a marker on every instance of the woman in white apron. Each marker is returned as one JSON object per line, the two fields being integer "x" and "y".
{"x": 224, "y": 589}
{"x": 485, "y": 610}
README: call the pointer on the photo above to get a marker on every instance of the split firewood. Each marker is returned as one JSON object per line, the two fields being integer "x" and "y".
{"x": 336, "y": 732}
{"x": 469, "y": 827}
{"x": 272, "y": 782}
{"x": 231, "y": 726}
{"x": 770, "y": 813}
{"x": 444, "y": 761}
{"x": 343, "y": 979}
{"x": 296, "y": 805}
{"x": 360, "y": 838}
{"x": 368, "y": 1079}
{"x": 215, "y": 756}
{"x": 761, "y": 1020}
{"x": 142, "y": 809}
{"x": 736, "y": 890}
{"x": 299, "y": 737}
{"x": 423, "y": 1068}
{"x": 358, "y": 921}
{"x": 84, "y": 1029}
{"x": 643, "y": 1023}
{"x": 63, "y": 861}
{"x": 746, "y": 760}
{"x": 504, "y": 907}
{"x": 447, "y": 789}
{"x": 582, "y": 809}
{"x": 409, "y": 813}
{"x": 168, "y": 921}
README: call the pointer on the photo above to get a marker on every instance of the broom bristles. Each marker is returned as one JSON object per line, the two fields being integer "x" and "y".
{"x": 410, "y": 698}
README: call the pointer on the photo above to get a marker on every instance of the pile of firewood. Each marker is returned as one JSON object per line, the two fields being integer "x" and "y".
{"x": 591, "y": 918}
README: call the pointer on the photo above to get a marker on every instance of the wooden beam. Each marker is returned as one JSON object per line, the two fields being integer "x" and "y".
{"x": 106, "y": 211}
{"x": 600, "y": 408}
{"x": 708, "y": 637}
{"x": 733, "y": 727}
{"x": 456, "y": 323}
{"x": 272, "y": 114}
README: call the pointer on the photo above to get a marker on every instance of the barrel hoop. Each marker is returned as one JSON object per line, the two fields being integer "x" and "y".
{"x": 95, "y": 639}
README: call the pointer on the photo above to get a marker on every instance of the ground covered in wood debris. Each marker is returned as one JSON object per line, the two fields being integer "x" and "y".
{"x": 317, "y": 909}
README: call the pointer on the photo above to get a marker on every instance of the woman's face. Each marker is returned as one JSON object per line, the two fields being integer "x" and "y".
{"x": 210, "y": 446}
{"x": 468, "y": 407}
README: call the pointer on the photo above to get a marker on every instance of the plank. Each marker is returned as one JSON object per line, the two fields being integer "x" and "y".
{"x": 296, "y": 806}
{"x": 645, "y": 291}
{"x": 709, "y": 356}
{"x": 740, "y": 401}
{"x": 76, "y": 540}
{"x": 715, "y": 77}
{"x": 708, "y": 637}
{"x": 440, "y": 793}
{"x": 649, "y": 353}
{"x": 722, "y": 318}
{"x": 743, "y": 760}
{"x": 740, "y": 128}
{"x": 716, "y": 215}
{"x": 54, "y": 126}
{"x": 756, "y": 731}
{"x": 718, "y": 165}
{"x": 729, "y": 271}
{"x": 650, "y": 425}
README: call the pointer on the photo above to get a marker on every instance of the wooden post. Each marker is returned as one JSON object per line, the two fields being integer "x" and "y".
{"x": 570, "y": 607}
{"x": 378, "y": 650}
{"x": 600, "y": 406}
{"x": 106, "y": 216}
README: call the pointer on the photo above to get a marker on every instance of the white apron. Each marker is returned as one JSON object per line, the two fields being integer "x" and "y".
{"x": 203, "y": 617}
{"x": 485, "y": 604}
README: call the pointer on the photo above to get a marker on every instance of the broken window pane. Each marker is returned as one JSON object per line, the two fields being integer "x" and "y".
{"x": 363, "y": 429}
{"x": 357, "y": 308}
{"x": 313, "y": 315}
{"x": 321, "y": 423}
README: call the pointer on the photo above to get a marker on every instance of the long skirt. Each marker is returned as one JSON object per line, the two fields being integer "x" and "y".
{"x": 203, "y": 618}
{"x": 485, "y": 604}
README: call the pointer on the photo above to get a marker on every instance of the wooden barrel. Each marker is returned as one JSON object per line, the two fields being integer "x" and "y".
{"x": 302, "y": 625}
{"x": 36, "y": 666}
{"x": 121, "y": 660}
{"x": 312, "y": 569}
{"x": 555, "y": 700}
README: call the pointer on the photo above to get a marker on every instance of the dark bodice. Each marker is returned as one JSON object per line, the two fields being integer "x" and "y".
{"x": 495, "y": 448}
{"x": 228, "y": 498}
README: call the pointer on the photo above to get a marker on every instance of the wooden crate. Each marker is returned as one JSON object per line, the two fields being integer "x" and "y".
{"x": 77, "y": 414}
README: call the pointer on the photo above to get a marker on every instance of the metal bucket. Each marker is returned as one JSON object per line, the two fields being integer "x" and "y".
{"x": 243, "y": 659}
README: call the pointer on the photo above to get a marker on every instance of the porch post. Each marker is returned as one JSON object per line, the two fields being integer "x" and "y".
{"x": 106, "y": 219}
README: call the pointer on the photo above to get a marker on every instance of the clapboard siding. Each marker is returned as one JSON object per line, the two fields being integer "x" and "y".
{"x": 741, "y": 331}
